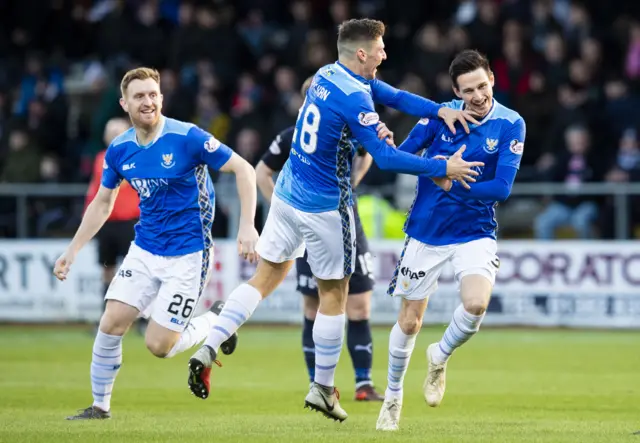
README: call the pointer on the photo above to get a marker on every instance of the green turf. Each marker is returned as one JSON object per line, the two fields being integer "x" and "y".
{"x": 504, "y": 386}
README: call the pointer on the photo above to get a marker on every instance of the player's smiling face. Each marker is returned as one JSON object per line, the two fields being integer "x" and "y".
{"x": 143, "y": 102}
{"x": 476, "y": 89}
{"x": 375, "y": 54}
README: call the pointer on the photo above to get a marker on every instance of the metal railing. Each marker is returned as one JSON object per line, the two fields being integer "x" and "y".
{"x": 228, "y": 197}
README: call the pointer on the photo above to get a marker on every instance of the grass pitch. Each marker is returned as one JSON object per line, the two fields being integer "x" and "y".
{"x": 505, "y": 385}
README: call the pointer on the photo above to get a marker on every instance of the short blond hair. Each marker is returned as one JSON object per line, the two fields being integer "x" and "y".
{"x": 138, "y": 74}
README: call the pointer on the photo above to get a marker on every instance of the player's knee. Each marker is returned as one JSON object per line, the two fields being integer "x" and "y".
{"x": 475, "y": 305}
{"x": 112, "y": 328}
{"x": 475, "y": 290}
{"x": 159, "y": 348}
{"x": 411, "y": 314}
{"x": 269, "y": 275}
{"x": 410, "y": 324}
{"x": 359, "y": 306}
{"x": 117, "y": 318}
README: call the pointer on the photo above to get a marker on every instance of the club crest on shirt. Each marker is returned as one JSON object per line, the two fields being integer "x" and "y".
{"x": 491, "y": 146}
{"x": 167, "y": 161}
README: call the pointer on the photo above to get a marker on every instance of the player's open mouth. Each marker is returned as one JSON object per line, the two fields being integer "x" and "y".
{"x": 148, "y": 111}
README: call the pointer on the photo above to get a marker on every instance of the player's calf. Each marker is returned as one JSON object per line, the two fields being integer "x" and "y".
{"x": 158, "y": 347}
{"x": 230, "y": 345}
{"x": 360, "y": 345}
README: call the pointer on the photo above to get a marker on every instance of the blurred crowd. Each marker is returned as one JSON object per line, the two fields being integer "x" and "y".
{"x": 234, "y": 67}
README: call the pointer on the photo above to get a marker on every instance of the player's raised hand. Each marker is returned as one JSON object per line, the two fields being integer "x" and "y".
{"x": 451, "y": 116}
{"x": 385, "y": 133}
{"x": 461, "y": 170}
{"x": 247, "y": 239}
{"x": 62, "y": 266}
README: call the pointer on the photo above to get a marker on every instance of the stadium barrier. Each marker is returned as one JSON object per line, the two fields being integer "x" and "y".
{"x": 226, "y": 196}
{"x": 593, "y": 284}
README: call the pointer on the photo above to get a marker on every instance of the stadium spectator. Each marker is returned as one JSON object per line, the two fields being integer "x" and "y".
{"x": 624, "y": 168}
{"x": 573, "y": 167}
{"x": 22, "y": 162}
{"x": 230, "y": 65}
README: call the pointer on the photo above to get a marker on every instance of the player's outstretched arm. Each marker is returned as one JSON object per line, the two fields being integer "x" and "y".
{"x": 390, "y": 159}
{"x": 95, "y": 216}
{"x": 420, "y": 137}
{"x": 413, "y": 104}
{"x": 246, "y": 183}
{"x": 362, "y": 119}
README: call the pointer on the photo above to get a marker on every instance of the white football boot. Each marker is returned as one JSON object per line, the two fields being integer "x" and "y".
{"x": 389, "y": 418}
{"x": 325, "y": 400}
{"x": 435, "y": 383}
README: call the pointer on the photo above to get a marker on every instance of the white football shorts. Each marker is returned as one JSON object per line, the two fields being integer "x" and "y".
{"x": 167, "y": 289}
{"x": 329, "y": 237}
{"x": 420, "y": 265}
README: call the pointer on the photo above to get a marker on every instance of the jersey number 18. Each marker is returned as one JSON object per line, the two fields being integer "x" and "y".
{"x": 309, "y": 132}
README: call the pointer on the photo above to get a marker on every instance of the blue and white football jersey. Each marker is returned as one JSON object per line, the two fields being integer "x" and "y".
{"x": 339, "y": 107}
{"x": 171, "y": 177}
{"x": 442, "y": 218}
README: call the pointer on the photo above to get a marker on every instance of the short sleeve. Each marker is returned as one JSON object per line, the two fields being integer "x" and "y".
{"x": 276, "y": 156}
{"x": 206, "y": 149}
{"x": 111, "y": 179}
{"x": 512, "y": 145}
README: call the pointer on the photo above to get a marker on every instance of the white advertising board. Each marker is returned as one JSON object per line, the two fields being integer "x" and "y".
{"x": 559, "y": 283}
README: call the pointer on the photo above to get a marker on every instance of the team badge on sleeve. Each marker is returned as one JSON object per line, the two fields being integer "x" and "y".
{"x": 517, "y": 147}
{"x": 211, "y": 145}
{"x": 423, "y": 121}
{"x": 368, "y": 118}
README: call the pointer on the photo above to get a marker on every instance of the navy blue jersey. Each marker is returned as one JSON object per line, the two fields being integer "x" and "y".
{"x": 339, "y": 107}
{"x": 458, "y": 216}
{"x": 171, "y": 177}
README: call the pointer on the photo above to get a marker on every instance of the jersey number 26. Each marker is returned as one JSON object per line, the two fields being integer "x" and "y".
{"x": 309, "y": 131}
